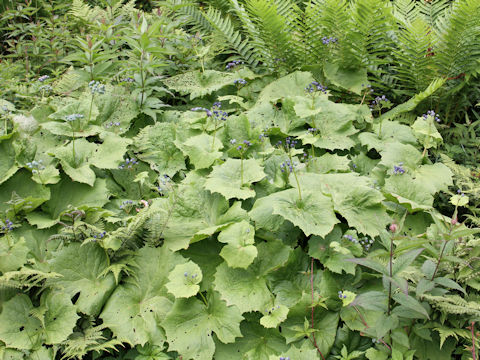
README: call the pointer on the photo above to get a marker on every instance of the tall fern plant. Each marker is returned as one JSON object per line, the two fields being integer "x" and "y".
{"x": 402, "y": 45}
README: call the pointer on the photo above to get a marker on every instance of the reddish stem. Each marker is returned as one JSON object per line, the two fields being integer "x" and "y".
{"x": 361, "y": 317}
{"x": 474, "y": 355}
{"x": 313, "y": 309}
{"x": 384, "y": 343}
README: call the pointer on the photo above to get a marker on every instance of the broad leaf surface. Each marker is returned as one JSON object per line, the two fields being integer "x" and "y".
{"x": 190, "y": 325}
{"x": 226, "y": 179}
{"x": 81, "y": 268}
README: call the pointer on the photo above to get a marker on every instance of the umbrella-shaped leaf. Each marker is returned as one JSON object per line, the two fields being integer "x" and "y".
{"x": 226, "y": 179}
{"x": 190, "y": 325}
{"x": 184, "y": 280}
{"x": 81, "y": 268}
{"x": 54, "y": 321}
{"x": 135, "y": 308}
{"x": 239, "y": 251}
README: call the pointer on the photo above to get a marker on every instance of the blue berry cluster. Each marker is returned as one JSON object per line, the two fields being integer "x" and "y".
{"x": 165, "y": 184}
{"x": 186, "y": 275}
{"x": 8, "y": 225}
{"x": 36, "y": 166}
{"x": 341, "y": 295}
{"x": 379, "y": 101}
{"x": 240, "y": 82}
{"x": 129, "y": 163}
{"x": 432, "y": 114}
{"x": 127, "y": 79}
{"x": 316, "y": 86}
{"x": 312, "y": 130}
{"x": 351, "y": 238}
{"x": 100, "y": 235}
{"x": 73, "y": 117}
{"x": 233, "y": 64}
{"x": 126, "y": 203}
{"x": 369, "y": 87}
{"x": 366, "y": 243}
{"x": 245, "y": 145}
{"x": 96, "y": 87}
{"x": 460, "y": 192}
{"x": 284, "y": 358}
{"x": 329, "y": 40}
{"x": 219, "y": 115}
{"x": 43, "y": 78}
{"x": 269, "y": 311}
{"x": 398, "y": 169}
{"x": 290, "y": 143}
{"x": 287, "y": 165}
{"x": 111, "y": 124}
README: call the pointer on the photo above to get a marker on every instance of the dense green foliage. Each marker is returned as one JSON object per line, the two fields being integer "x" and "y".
{"x": 254, "y": 180}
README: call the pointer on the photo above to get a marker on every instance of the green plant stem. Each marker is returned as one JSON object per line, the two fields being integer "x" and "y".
{"x": 73, "y": 145}
{"x": 363, "y": 98}
{"x": 390, "y": 273}
{"x": 214, "y": 134}
{"x": 295, "y": 175}
{"x": 313, "y": 310}
{"x": 203, "y": 298}
{"x": 5, "y": 128}
{"x": 141, "y": 76}
{"x": 439, "y": 259}
{"x": 380, "y": 129}
{"x": 91, "y": 107}
{"x": 441, "y": 252}
{"x": 9, "y": 240}
{"x": 241, "y": 170}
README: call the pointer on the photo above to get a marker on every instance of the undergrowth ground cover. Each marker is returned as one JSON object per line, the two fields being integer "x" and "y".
{"x": 233, "y": 179}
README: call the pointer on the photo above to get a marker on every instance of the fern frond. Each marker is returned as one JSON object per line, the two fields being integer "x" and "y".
{"x": 194, "y": 16}
{"x": 458, "y": 48}
{"x": 223, "y": 26}
{"x": 406, "y": 11}
{"x": 368, "y": 36}
{"x": 432, "y": 10}
{"x": 91, "y": 339}
{"x": 82, "y": 11}
{"x": 413, "y": 65}
{"x": 127, "y": 10}
{"x": 454, "y": 304}
{"x": 25, "y": 278}
{"x": 274, "y": 40}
